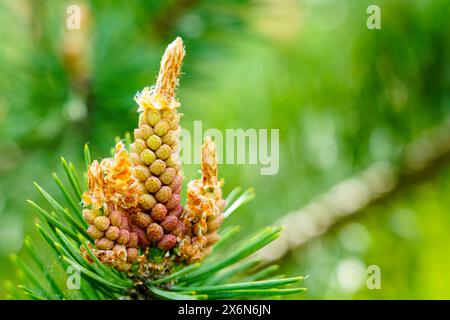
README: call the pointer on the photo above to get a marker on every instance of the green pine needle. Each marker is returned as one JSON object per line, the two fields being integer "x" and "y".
{"x": 95, "y": 277}
{"x": 174, "y": 295}
{"x": 241, "y": 286}
{"x": 254, "y": 293}
{"x": 254, "y": 244}
{"x": 264, "y": 273}
{"x": 52, "y": 220}
{"x": 69, "y": 198}
{"x": 63, "y": 212}
{"x": 74, "y": 182}
{"x": 177, "y": 274}
{"x": 231, "y": 272}
{"x": 87, "y": 156}
{"x": 247, "y": 196}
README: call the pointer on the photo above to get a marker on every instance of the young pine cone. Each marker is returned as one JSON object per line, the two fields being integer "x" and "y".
{"x": 155, "y": 154}
{"x": 111, "y": 198}
{"x": 204, "y": 208}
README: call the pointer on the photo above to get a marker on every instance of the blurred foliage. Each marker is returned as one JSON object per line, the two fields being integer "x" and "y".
{"x": 342, "y": 96}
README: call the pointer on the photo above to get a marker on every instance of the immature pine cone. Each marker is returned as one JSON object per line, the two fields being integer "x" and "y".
{"x": 111, "y": 198}
{"x": 155, "y": 154}
{"x": 204, "y": 208}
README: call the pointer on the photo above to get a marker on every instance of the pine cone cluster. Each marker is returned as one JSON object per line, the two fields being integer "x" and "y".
{"x": 134, "y": 199}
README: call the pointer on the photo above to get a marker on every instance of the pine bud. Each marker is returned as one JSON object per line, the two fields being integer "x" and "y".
{"x": 115, "y": 217}
{"x": 138, "y": 134}
{"x": 169, "y": 138}
{"x": 180, "y": 229}
{"x": 141, "y": 188}
{"x": 104, "y": 244}
{"x": 101, "y": 223}
{"x": 138, "y": 146}
{"x": 174, "y": 123}
{"x": 167, "y": 242}
{"x": 141, "y": 173}
{"x": 124, "y": 237}
{"x": 164, "y": 194}
{"x": 134, "y": 240}
{"x": 142, "y": 239}
{"x": 142, "y": 220}
{"x": 155, "y": 232}
{"x": 136, "y": 159}
{"x": 157, "y": 167}
{"x": 94, "y": 232}
{"x": 119, "y": 250}
{"x": 161, "y": 128}
{"x": 147, "y": 132}
{"x": 147, "y": 157}
{"x": 147, "y": 201}
{"x": 163, "y": 152}
{"x": 153, "y": 117}
{"x": 159, "y": 212}
{"x": 112, "y": 233}
{"x": 173, "y": 202}
{"x": 167, "y": 176}
{"x": 176, "y": 184}
{"x": 153, "y": 184}
{"x": 154, "y": 142}
{"x": 169, "y": 223}
{"x": 142, "y": 119}
{"x": 177, "y": 211}
{"x": 124, "y": 223}
{"x": 168, "y": 114}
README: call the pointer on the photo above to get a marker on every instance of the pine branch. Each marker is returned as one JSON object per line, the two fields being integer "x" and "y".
{"x": 223, "y": 278}
{"x": 124, "y": 231}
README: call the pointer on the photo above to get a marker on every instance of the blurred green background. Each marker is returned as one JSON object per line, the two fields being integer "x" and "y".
{"x": 343, "y": 97}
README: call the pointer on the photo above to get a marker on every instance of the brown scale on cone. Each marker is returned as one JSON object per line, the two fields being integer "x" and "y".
{"x": 203, "y": 212}
{"x": 155, "y": 152}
